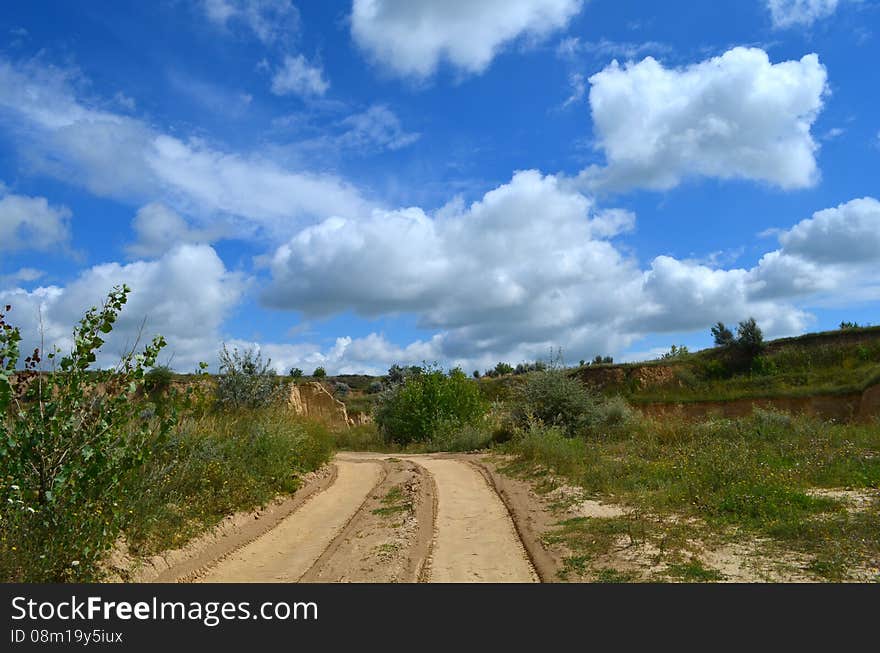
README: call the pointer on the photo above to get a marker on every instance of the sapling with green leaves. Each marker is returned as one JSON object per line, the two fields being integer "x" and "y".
{"x": 69, "y": 436}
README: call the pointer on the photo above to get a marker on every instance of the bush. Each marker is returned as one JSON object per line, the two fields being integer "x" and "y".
{"x": 319, "y": 373}
{"x": 555, "y": 399}
{"x": 67, "y": 440}
{"x": 157, "y": 382}
{"x": 246, "y": 381}
{"x": 415, "y": 410}
{"x": 296, "y": 373}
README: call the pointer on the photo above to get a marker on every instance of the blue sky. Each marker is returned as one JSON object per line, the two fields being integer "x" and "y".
{"x": 352, "y": 184}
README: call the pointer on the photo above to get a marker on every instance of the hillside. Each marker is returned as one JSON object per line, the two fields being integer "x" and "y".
{"x": 827, "y": 363}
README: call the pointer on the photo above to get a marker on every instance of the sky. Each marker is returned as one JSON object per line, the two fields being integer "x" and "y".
{"x": 355, "y": 184}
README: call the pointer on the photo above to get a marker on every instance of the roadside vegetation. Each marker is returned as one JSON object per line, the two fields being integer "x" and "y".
{"x": 92, "y": 458}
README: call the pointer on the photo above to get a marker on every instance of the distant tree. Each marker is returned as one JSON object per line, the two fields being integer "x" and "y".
{"x": 722, "y": 335}
{"x": 296, "y": 372}
{"x": 675, "y": 351}
{"x": 396, "y": 374}
{"x": 582, "y": 363}
{"x": 608, "y": 360}
{"x": 477, "y": 374}
{"x": 319, "y": 373}
{"x": 850, "y": 325}
{"x": 503, "y": 369}
{"x": 597, "y": 360}
{"x": 749, "y": 337}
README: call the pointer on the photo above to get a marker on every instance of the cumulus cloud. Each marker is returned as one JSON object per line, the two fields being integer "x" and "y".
{"x": 849, "y": 233}
{"x": 835, "y": 251}
{"x": 372, "y": 354}
{"x": 412, "y": 37}
{"x": 117, "y": 156}
{"x": 159, "y": 228}
{"x": 531, "y": 265}
{"x": 32, "y": 223}
{"x": 269, "y": 20}
{"x": 791, "y": 13}
{"x": 297, "y": 76}
{"x": 734, "y": 116}
{"x": 185, "y": 296}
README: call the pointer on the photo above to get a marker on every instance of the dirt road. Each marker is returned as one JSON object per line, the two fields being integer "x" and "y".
{"x": 415, "y": 518}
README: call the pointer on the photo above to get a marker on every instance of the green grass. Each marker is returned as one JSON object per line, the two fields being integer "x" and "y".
{"x": 749, "y": 476}
{"x": 215, "y": 465}
{"x": 693, "y": 571}
{"x": 394, "y": 503}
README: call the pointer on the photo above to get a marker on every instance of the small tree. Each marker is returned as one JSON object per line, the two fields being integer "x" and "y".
{"x": 68, "y": 439}
{"x": 749, "y": 337}
{"x": 296, "y": 372}
{"x": 722, "y": 335}
{"x": 503, "y": 369}
{"x": 319, "y": 373}
{"x": 477, "y": 374}
{"x": 675, "y": 351}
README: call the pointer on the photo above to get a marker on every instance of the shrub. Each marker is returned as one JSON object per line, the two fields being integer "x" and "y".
{"x": 555, "y": 399}
{"x": 414, "y": 410}
{"x": 67, "y": 440}
{"x": 157, "y": 382}
{"x": 245, "y": 380}
{"x": 375, "y": 387}
{"x": 296, "y": 373}
{"x": 319, "y": 373}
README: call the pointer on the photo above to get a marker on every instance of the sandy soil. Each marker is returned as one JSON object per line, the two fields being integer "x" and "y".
{"x": 289, "y": 550}
{"x": 475, "y": 539}
{"x": 381, "y": 518}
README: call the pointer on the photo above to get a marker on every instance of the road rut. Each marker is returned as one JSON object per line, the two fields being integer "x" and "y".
{"x": 475, "y": 540}
{"x": 285, "y": 554}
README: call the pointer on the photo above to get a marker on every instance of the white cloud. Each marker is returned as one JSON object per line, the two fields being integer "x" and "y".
{"x": 573, "y": 47}
{"x": 269, "y": 20}
{"x": 297, "y": 76}
{"x": 121, "y": 157}
{"x": 528, "y": 267}
{"x": 372, "y": 354}
{"x": 733, "y": 116}
{"x": 185, "y": 296}
{"x": 22, "y": 275}
{"x": 32, "y": 223}
{"x": 791, "y": 13}
{"x": 578, "y": 85}
{"x": 412, "y": 37}
{"x": 849, "y": 233}
{"x": 377, "y": 127}
{"x": 159, "y": 229}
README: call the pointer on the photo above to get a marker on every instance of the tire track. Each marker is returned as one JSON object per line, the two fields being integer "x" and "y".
{"x": 288, "y": 551}
{"x": 475, "y": 538}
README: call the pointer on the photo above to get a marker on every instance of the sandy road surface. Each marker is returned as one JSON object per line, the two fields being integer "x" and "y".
{"x": 475, "y": 539}
{"x": 287, "y": 552}
{"x": 407, "y": 518}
